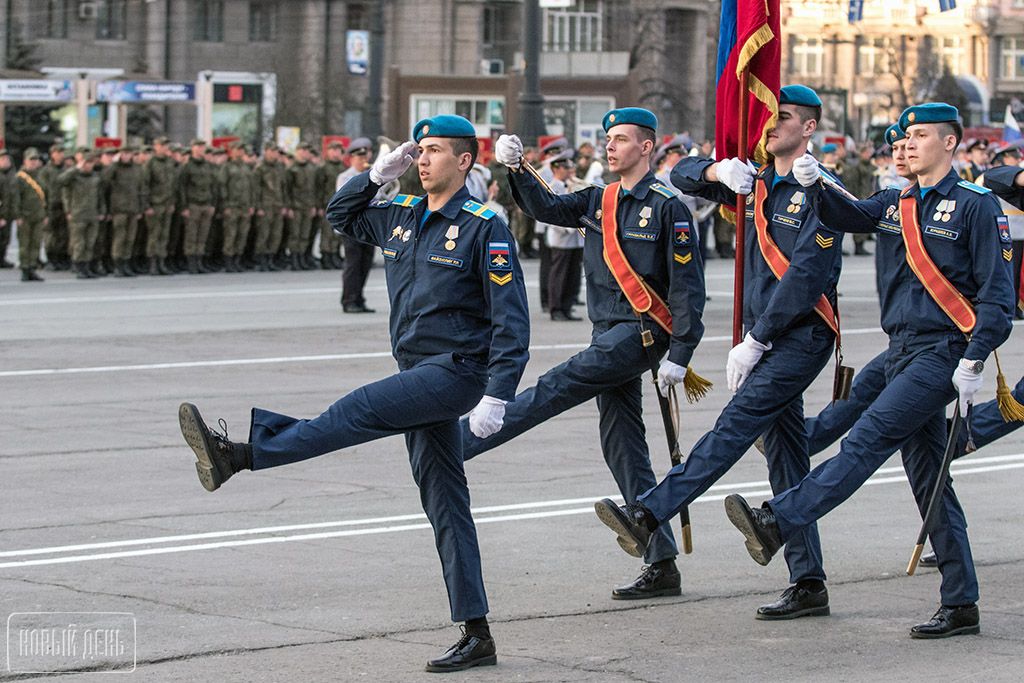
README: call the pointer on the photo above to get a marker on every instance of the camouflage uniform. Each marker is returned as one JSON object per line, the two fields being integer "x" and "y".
{"x": 159, "y": 180}
{"x": 80, "y": 194}
{"x": 197, "y": 194}
{"x": 55, "y": 235}
{"x": 330, "y": 241}
{"x": 29, "y": 207}
{"x": 238, "y": 194}
{"x": 122, "y": 188}
{"x": 302, "y": 199}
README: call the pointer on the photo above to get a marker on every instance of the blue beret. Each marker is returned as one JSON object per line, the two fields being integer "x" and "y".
{"x": 800, "y": 95}
{"x": 929, "y": 112}
{"x": 894, "y": 134}
{"x": 827, "y": 148}
{"x": 633, "y": 115}
{"x": 443, "y": 126}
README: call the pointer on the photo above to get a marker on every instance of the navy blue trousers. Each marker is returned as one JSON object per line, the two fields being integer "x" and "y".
{"x": 909, "y": 414}
{"x": 423, "y": 402}
{"x": 839, "y": 416}
{"x": 610, "y": 369}
{"x": 770, "y": 402}
{"x": 987, "y": 423}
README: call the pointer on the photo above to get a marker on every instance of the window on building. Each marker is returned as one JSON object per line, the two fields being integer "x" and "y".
{"x": 208, "y": 19}
{"x": 1011, "y": 58}
{"x": 808, "y": 57}
{"x": 578, "y": 28}
{"x": 56, "y": 19}
{"x": 112, "y": 20}
{"x": 358, "y": 18}
{"x": 951, "y": 53}
{"x": 873, "y": 57}
{"x": 263, "y": 20}
{"x": 484, "y": 113}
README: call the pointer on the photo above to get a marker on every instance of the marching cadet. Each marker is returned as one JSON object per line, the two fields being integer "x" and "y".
{"x": 326, "y": 180}
{"x": 789, "y": 314}
{"x": 946, "y": 305}
{"x": 122, "y": 189}
{"x": 81, "y": 198}
{"x": 646, "y": 233}
{"x": 237, "y": 190}
{"x": 55, "y": 235}
{"x": 271, "y": 208}
{"x": 460, "y": 334}
{"x": 159, "y": 183}
{"x": 7, "y": 216}
{"x": 358, "y": 254}
{"x": 302, "y": 198}
{"x": 197, "y": 200}
{"x": 29, "y": 199}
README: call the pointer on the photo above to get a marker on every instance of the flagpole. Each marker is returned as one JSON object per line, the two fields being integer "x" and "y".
{"x": 741, "y": 221}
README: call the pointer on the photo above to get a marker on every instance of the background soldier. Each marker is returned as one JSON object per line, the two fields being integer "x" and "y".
{"x": 6, "y": 206}
{"x": 236, "y": 180}
{"x": 302, "y": 197}
{"x": 358, "y": 255}
{"x": 270, "y": 207}
{"x": 326, "y": 179}
{"x": 55, "y": 234}
{"x": 197, "y": 198}
{"x": 29, "y": 206}
{"x": 80, "y": 194}
{"x": 159, "y": 180}
{"x": 122, "y": 189}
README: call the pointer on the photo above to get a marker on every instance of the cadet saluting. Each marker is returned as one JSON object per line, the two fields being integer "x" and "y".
{"x": 952, "y": 281}
{"x": 459, "y": 330}
{"x": 644, "y": 231}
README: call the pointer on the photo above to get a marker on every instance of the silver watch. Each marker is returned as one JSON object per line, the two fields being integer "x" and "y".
{"x": 975, "y": 366}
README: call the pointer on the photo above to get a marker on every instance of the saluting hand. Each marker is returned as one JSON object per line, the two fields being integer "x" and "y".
{"x": 742, "y": 359}
{"x": 737, "y": 175}
{"x": 392, "y": 165}
{"x": 806, "y": 171}
{"x": 488, "y": 417}
{"x": 508, "y": 150}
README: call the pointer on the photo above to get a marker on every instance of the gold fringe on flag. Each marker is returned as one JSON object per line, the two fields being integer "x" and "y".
{"x": 695, "y": 386}
{"x": 1009, "y": 407}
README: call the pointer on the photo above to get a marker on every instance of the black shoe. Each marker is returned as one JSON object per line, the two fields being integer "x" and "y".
{"x": 562, "y": 316}
{"x": 860, "y": 250}
{"x": 758, "y": 525}
{"x": 356, "y": 308}
{"x": 217, "y": 457}
{"x": 655, "y": 581}
{"x": 470, "y": 651}
{"x": 796, "y": 601}
{"x": 929, "y": 560}
{"x": 5, "y": 264}
{"x": 29, "y": 275}
{"x": 632, "y": 522}
{"x": 950, "y": 621}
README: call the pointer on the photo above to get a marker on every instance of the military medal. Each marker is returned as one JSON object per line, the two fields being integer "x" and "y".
{"x": 452, "y": 235}
{"x": 406, "y": 235}
{"x": 396, "y": 233}
{"x": 645, "y": 214}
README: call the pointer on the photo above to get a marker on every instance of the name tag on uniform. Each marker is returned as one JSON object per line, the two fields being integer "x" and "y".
{"x": 891, "y": 228}
{"x": 787, "y": 221}
{"x": 589, "y": 223}
{"x": 389, "y": 253}
{"x": 642, "y": 234}
{"x": 444, "y": 260}
{"x": 943, "y": 232}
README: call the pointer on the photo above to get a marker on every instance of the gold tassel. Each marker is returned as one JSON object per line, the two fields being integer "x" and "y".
{"x": 695, "y": 386}
{"x": 1009, "y": 407}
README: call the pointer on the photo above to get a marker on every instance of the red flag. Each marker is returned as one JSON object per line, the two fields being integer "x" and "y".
{"x": 749, "y": 38}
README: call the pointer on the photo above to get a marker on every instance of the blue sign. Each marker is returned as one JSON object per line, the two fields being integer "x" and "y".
{"x": 357, "y": 50}
{"x": 142, "y": 91}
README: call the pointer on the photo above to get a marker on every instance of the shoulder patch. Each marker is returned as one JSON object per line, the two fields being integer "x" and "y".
{"x": 478, "y": 209}
{"x": 406, "y": 200}
{"x": 967, "y": 185}
{"x": 662, "y": 190}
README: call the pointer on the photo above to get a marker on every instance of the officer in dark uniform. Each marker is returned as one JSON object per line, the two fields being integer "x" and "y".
{"x": 947, "y": 231}
{"x": 977, "y": 160}
{"x": 358, "y": 254}
{"x": 789, "y": 340}
{"x": 460, "y": 334}
{"x": 657, "y": 235}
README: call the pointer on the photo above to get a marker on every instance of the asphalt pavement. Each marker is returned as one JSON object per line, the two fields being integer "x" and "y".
{"x": 113, "y": 557}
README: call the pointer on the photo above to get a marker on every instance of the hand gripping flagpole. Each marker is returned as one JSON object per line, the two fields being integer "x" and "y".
{"x": 741, "y": 221}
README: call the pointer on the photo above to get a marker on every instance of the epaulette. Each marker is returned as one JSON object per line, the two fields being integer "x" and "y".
{"x": 967, "y": 185}
{"x": 478, "y": 209}
{"x": 406, "y": 200}
{"x": 663, "y": 191}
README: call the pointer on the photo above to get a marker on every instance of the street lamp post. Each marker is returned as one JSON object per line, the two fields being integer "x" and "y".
{"x": 531, "y": 102}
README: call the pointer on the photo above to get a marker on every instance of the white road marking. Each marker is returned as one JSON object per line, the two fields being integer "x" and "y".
{"x": 384, "y": 525}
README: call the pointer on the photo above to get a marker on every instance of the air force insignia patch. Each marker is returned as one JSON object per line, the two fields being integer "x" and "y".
{"x": 681, "y": 230}
{"x": 498, "y": 257}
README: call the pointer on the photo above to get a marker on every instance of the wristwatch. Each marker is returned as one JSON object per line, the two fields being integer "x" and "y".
{"x": 975, "y": 366}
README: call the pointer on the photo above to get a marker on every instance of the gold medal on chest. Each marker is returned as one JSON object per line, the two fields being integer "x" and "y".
{"x": 645, "y": 215}
{"x": 452, "y": 234}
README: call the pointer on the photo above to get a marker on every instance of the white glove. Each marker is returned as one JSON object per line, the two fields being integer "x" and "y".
{"x": 669, "y": 375}
{"x": 737, "y": 175}
{"x": 392, "y": 165}
{"x": 742, "y": 359}
{"x": 487, "y": 418}
{"x": 508, "y": 150}
{"x": 967, "y": 383}
{"x": 806, "y": 171}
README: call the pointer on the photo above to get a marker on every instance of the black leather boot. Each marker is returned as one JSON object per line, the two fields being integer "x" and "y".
{"x": 950, "y": 620}
{"x": 800, "y": 600}
{"x": 757, "y": 525}
{"x": 632, "y": 522}
{"x": 657, "y": 580}
{"x": 469, "y": 651}
{"x": 217, "y": 458}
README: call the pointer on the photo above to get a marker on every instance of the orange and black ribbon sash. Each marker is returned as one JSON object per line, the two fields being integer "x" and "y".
{"x": 942, "y": 291}
{"x": 641, "y": 297}
{"x": 777, "y": 261}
